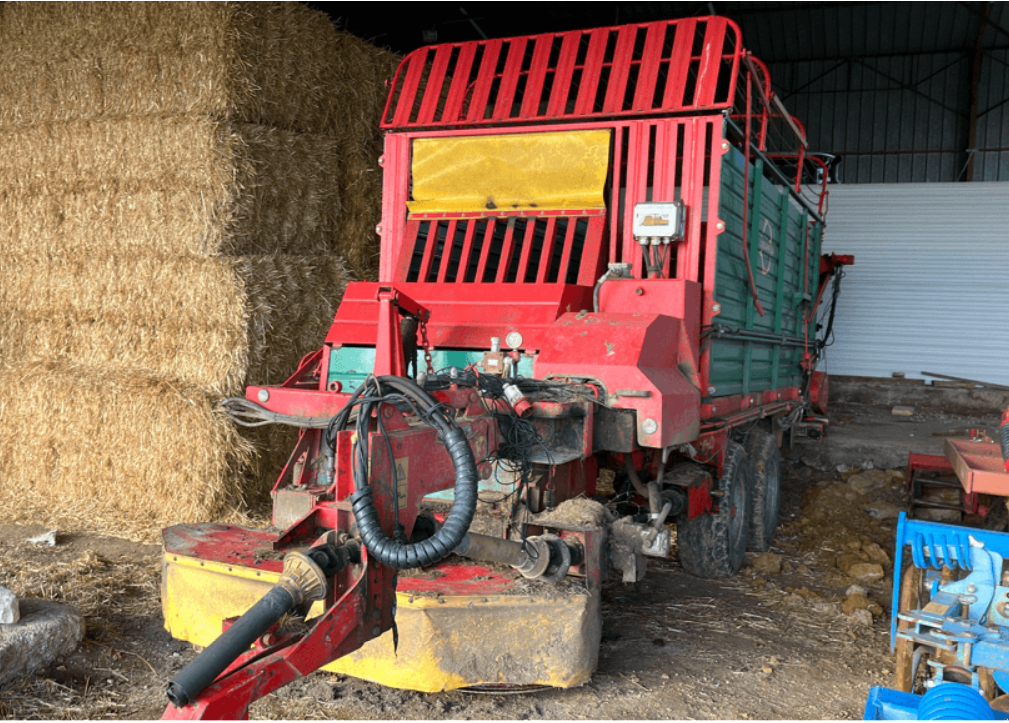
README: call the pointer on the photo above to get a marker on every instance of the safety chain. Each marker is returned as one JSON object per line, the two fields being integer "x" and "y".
{"x": 425, "y": 344}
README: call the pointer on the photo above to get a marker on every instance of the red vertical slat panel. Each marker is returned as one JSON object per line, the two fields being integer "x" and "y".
{"x": 548, "y": 250}
{"x": 460, "y": 83}
{"x": 510, "y": 78}
{"x": 692, "y": 270}
{"x": 446, "y": 252}
{"x": 562, "y": 74}
{"x": 694, "y": 151}
{"x": 467, "y": 246}
{"x": 432, "y": 93}
{"x": 488, "y": 240}
{"x": 622, "y": 56}
{"x": 537, "y": 74}
{"x": 527, "y": 245}
{"x": 408, "y": 93}
{"x": 711, "y": 62}
{"x": 637, "y": 188}
{"x": 428, "y": 260}
{"x": 648, "y": 73}
{"x": 484, "y": 80}
{"x": 569, "y": 242}
{"x": 618, "y": 153}
{"x": 403, "y": 262}
{"x": 507, "y": 249}
{"x": 690, "y": 247}
{"x": 679, "y": 64}
{"x": 591, "y": 71}
{"x": 588, "y": 274}
{"x": 395, "y": 174}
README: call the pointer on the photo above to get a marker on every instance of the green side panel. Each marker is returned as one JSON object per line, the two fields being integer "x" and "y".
{"x": 776, "y": 238}
{"x": 351, "y": 365}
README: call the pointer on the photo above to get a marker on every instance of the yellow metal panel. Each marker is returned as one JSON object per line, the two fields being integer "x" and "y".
{"x": 198, "y": 595}
{"x": 455, "y": 641}
{"x": 534, "y": 171}
{"x": 445, "y": 642}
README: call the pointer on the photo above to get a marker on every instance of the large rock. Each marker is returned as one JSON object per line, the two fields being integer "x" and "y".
{"x": 45, "y": 631}
{"x": 10, "y": 612}
{"x": 877, "y": 554}
{"x": 883, "y": 510}
{"x": 767, "y": 564}
{"x": 855, "y": 602}
{"x": 866, "y": 572}
{"x": 869, "y": 480}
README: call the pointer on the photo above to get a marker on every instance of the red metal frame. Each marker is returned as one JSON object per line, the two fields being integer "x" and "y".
{"x": 979, "y": 466}
{"x": 685, "y": 153}
{"x": 641, "y": 349}
{"x": 446, "y": 85}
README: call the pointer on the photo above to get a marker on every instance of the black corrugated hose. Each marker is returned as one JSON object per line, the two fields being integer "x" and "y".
{"x": 393, "y": 552}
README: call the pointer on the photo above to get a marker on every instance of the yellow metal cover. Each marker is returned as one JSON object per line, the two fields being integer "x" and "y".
{"x": 520, "y": 171}
{"x": 445, "y": 642}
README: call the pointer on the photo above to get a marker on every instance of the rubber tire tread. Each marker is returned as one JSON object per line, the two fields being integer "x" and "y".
{"x": 704, "y": 543}
{"x": 762, "y": 449}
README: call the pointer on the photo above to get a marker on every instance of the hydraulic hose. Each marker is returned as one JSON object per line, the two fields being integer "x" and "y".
{"x": 396, "y": 553}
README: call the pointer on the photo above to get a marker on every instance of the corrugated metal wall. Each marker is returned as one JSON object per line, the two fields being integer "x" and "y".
{"x": 993, "y": 117}
{"x": 888, "y": 85}
{"x": 929, "y": 290}
{"x": 902, "y": 119}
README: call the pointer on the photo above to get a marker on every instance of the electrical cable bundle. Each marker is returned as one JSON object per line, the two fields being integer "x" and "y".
{"x": 829, "y": 330}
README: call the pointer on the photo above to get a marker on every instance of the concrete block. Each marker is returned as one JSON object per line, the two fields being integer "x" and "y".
{"x": 10, "y": 613}
{"x": 46, "y": 630}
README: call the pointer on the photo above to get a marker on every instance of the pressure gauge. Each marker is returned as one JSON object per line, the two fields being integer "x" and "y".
{"x": 513, "y": 340}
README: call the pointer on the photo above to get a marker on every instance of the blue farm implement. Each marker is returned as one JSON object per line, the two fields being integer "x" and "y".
{"x": 950, "y": 622}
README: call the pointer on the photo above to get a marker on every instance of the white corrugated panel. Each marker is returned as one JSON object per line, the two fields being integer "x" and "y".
{"x": 929, "y": 290}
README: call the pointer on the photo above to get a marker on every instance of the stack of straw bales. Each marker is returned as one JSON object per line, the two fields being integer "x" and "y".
{"x": 180, "y": 184}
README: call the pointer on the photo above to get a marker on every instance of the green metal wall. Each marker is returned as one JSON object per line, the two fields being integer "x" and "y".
{"x": 776, "y": 239}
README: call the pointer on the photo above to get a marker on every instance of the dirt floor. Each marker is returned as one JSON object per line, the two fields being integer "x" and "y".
{"x": 801, "y": 633}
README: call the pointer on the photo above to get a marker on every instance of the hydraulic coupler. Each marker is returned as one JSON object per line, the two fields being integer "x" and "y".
{"x": 303, "y": 580}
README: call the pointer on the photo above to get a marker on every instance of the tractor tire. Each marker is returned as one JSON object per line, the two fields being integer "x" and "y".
{"x": 762, "y": 448}
{"x": 713, "y": 545}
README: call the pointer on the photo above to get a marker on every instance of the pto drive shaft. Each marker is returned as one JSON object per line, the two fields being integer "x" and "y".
{"x": 303, "y": 580}
{"x": 543, "y": 557}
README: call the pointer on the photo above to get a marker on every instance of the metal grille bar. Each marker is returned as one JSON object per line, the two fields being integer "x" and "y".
{"x": 664, "y": 67}
{"x": 531, "y": 250}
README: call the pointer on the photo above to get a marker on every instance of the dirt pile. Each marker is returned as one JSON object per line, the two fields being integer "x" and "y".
{"x": 838, "y": 554}
{"x": 173, "y": 203}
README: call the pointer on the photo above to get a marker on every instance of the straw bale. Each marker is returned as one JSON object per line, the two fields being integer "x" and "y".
{"x": 361, "y": 192}
{"x": 167, "y": 151}
{"x": 362, "y": 70}
{"x": 218, "y": 322}
{"x": 292, "y": 193}
{"x": 179, "y": 184}
{"x": 256, "y": 62}
{"x": 113, "y": 450}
